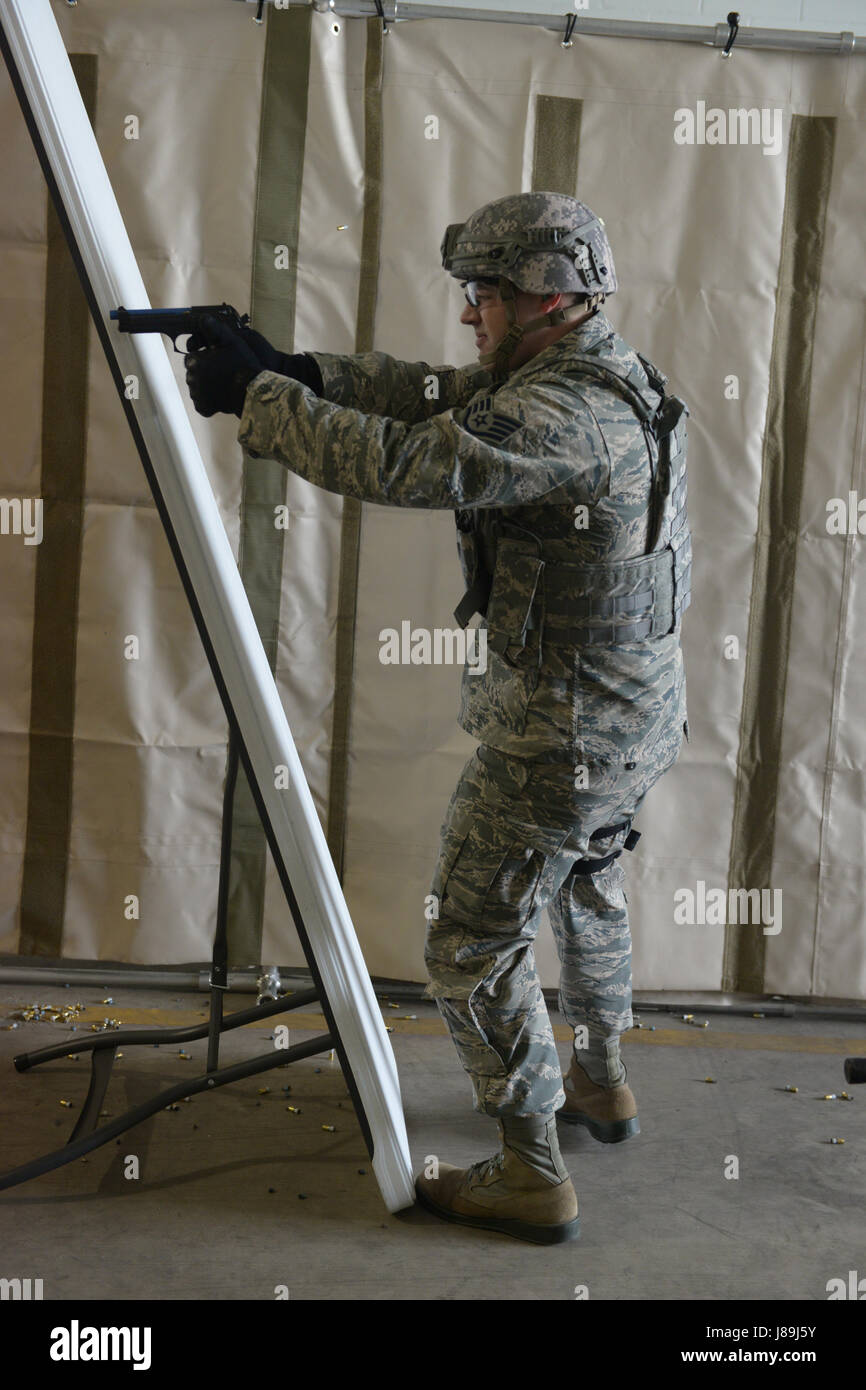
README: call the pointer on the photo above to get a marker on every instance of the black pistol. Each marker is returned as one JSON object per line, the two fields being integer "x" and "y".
{"x": 174, "y": 323}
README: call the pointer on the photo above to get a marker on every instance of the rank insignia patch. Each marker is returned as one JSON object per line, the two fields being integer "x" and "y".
{"x": 486, "y": 422}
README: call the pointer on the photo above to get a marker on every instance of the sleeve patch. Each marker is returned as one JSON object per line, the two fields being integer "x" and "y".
{"x": 486, "y": 422}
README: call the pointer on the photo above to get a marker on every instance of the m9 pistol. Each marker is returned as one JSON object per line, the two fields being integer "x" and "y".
{"x": 175, "y": 323}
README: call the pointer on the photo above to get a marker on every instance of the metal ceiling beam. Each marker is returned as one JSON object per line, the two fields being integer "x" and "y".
{"x": 716, "y": 36}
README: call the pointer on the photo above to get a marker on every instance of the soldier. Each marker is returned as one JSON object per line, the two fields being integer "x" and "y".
{"x": 564, "y": 462}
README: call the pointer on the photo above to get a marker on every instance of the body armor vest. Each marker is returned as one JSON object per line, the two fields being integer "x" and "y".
{"x": 596, "y": 604}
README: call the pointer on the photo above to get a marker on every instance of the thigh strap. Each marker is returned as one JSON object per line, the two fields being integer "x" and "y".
{"x": 592, "y": 866}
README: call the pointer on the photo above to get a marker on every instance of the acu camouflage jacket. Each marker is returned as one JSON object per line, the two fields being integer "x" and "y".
{"x": 563, "y": 490}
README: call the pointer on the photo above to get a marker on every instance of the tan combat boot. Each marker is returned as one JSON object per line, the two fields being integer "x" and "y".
{"x": 503, "y": 1194}
{"x": 609, "y": 1112}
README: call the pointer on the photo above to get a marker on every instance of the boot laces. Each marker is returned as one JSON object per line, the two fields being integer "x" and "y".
{"x": 485, "y": 1167}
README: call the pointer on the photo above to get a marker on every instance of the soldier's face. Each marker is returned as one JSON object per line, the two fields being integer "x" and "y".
{"x": 489, "y": 321}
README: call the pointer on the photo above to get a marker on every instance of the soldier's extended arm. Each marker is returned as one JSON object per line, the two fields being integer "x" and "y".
{"x": 485, "y": 456}
{"x": 370, "y": 381}
{"x": 378, "y": 384}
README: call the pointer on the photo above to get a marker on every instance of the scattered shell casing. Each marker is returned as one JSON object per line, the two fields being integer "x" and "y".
{"x": 329, "y": 1128}
{"x": 293, "y": 1109}
{"x": 792, "y": 1089}
{"x": 836, "y": 1141}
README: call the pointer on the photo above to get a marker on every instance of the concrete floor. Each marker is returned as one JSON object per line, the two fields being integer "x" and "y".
{"x": 659, "y": 1219}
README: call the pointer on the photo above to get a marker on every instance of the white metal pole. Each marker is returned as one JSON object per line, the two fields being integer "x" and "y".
{"x": 48, "y": 86}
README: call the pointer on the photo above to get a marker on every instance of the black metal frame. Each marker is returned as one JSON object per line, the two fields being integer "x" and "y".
{"x": 87, "y": 1134}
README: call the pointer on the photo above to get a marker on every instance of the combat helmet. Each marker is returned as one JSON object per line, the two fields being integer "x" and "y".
{"x": 536, "y": 242}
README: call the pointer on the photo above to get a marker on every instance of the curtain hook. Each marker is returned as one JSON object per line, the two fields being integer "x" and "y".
{"x": 570, "y": 22}
{"x": 257, "y": 17}
{"x": 381, "y": 13}
{"x": 733, "y": 29}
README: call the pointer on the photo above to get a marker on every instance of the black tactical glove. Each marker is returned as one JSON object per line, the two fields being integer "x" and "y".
{"x": 219, "y": 369}
{"x": 299, "y": 365}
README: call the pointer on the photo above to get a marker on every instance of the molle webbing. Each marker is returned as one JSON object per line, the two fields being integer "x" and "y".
{"x": 583, "y": 605}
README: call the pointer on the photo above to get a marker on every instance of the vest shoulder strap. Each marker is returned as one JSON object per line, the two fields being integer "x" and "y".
{"x": 627, "y": 383}
{"x": 662, "y": 418}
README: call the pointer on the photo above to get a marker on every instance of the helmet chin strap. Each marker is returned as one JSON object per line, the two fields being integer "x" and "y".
{"x": 501, "y": 355}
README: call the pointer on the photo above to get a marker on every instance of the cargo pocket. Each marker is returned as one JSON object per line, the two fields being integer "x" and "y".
{"x": 493, "y": 886}
{"x": 515, "y": 615}
{"x": 661, "y": 750}
{"x": 449, "y": 852}
{"x": 490, "y": 879}
{"x": 631, "y": 708}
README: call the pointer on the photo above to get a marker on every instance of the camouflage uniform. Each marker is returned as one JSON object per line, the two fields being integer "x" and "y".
{"x": 516, "y": 458}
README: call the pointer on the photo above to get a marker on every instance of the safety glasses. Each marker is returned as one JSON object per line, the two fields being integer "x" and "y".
{"x": 470, "y": 290}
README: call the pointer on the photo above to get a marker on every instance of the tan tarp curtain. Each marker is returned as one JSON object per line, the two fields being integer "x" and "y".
{"x": 309, "y": 168}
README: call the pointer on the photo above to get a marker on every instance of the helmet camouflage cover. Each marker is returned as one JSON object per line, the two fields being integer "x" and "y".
{"x": 541, "y": 242}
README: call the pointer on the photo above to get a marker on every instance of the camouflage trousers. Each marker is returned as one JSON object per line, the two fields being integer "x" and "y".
{"x": 514, "y": 830}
